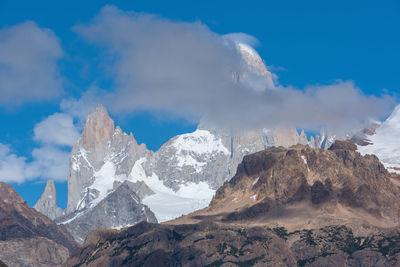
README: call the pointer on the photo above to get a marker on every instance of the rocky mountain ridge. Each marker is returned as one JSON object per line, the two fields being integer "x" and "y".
{"x": 28, "y": 238}
{"x": 185, "y": 171}
{"x": 300, "y": 187}
{"x": 294, "y": 206}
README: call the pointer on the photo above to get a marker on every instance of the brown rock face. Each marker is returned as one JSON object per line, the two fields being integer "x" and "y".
{"x": 24, "y": 232}
{"x": 344, "y": 144}
{"x": 99, "y": 128}
{"x": 301, "y": 188}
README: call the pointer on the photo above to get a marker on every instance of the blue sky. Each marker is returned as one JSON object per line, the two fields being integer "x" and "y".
{"x": 303, "y": 42}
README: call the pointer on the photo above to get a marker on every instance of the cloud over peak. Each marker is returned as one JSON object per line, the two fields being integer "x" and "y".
{"x": 185, "y": 69}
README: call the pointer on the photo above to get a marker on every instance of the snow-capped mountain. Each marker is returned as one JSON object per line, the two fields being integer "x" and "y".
{"x": 384, "y": 142}
{"x": 115, "y": 182}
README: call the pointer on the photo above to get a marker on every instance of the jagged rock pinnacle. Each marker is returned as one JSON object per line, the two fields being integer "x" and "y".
{"x": 47, "y": 204}
{"x": 99, "y": 127}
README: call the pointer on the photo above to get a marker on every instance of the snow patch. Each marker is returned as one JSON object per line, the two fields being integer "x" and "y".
{"x": 385, "y": 143}
{"x": 166, "y": 203}
{"x": 255, "y": 181}
{"x": 119, "y": 227}
{"x": 199, "y": 144}
{"x": 247, "y": 49}
{"x": 304, "y": 159}
{"x": 254, "y": 197}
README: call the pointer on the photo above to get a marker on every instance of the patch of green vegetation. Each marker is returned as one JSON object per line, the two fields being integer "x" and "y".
{"x": 132, "y": 250}
{"x": 216, "y": 263}
{"x": 303, "y": 262}
{"x": 227, "y": 249}
{"x": 308, "y": 238}
{"x": 389, "y": 246}
{"x": 210, "y": 236}
{"x": 281, "y": 232}
{"x": 197, "y": 240}
{"x": 351, "y": 245}
{"x": 176, "y": 236}
{"x": 248, "y": 263}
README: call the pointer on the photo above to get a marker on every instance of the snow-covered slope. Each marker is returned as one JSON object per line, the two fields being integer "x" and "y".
{"x": 385, "y": 143}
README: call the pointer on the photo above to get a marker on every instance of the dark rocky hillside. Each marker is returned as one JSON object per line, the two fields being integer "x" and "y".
{"x": 28, "y": 238}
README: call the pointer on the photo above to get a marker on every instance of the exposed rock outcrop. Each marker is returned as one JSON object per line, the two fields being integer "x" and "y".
{"x": 302, "y": 187}
{"x": 28, "y": 238}
{"x": 47, "y": 204}
{"x": 204, "y": 244}
{"x": 121, "y": 208}
{"x": 211, "y": 244}
{"x": 100, "y": 143}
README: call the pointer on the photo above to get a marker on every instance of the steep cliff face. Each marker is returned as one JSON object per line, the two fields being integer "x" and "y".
{"x": 100, "y": 162}
{"x": 28, "y": 238}
{"x": 47, "y": 204}
{"x": 120, "y": 208}
{"x": 100, "y": 149}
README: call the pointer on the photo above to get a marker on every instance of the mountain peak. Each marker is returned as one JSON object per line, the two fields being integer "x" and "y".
{"x": 8, "y": 194}
{"x": 47, "y": 204}
{"x": 99, "y": 127}
{"x": 28, "y": 238}
{"x": 50, "y": 188}
{"x": 255, "y": 63}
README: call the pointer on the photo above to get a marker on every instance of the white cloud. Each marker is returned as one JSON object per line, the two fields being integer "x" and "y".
{"x": 80, "y": 108}
{"x": 185, "y": 69}
{"x": 50, "y": 162}
{"x": 57, "y": 129}
{"x": 28, "y": 64}
{"x": 12, "y": 167}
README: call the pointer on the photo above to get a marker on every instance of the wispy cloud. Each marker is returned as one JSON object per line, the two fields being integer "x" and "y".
{"x": 57, "y": 129}
{"x": 28, "y": 64}
{"x": 54, "y": 136}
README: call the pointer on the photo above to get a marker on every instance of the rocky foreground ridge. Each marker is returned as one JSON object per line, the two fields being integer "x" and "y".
{"x": 284, "y": 207}
{"x": 28, "y": 238}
